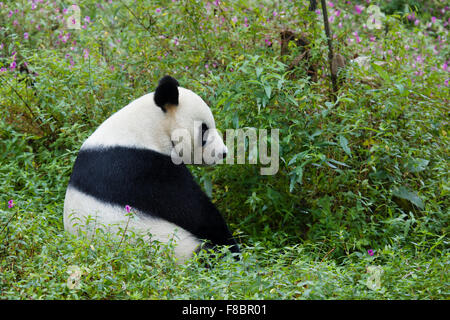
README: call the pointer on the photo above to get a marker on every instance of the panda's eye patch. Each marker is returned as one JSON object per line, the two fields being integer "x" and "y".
{"x": 203, "y": 138}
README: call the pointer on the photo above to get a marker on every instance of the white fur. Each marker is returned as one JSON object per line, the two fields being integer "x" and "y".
{"x": 84, "y": 213}
{"x": 141, "y": 124}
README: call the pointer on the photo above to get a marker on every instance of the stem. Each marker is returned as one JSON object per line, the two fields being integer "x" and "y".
{"x": 330, "y": 48}
{"x": 39, "y": 121}
{"x": 124, "y": 232}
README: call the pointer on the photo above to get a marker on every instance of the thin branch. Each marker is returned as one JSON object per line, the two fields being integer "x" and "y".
{"x": 40, "y": 123}
{"x": 330, "y": 48}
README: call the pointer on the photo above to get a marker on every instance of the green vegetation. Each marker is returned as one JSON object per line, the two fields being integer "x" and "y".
{"x": 367, "y": 172}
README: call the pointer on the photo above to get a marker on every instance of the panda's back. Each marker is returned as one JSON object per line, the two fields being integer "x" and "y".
{"x": 151, "y": 184}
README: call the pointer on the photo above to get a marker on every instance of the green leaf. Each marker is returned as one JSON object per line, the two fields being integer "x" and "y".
{"x": 411, "y": 196}
{"x": 268, "y": 90}
{"x": 382, "y": 72}
{"x": 344, "y": 145}
{"x": 259, "y": 70}
{"x": 416, "y": 165}
{"x": 236, "y": 121}
{"x": 208, "y": 186}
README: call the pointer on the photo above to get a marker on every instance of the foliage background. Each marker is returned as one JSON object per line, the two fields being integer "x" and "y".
{"x": 369, "y": 172}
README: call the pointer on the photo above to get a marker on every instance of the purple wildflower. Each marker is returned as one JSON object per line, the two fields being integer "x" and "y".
{"x": 11, "y": 203}
{"x": 358, "y": 40}
{"x": 358, "y": 9}
{"x": 85, "y": 53}
{"x": 370, "y": 252}
{"x": 128, "y": 208}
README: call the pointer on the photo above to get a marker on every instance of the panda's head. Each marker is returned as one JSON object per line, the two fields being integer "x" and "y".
{"x": 189, "y": 123}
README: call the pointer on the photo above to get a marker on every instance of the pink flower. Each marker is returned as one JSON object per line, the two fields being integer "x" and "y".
{"x": 87, "y": 19}
{"x": 370, "y": 252}
{"x": 433, "y": 19}
{"x": 3, "y": 69}
{"x": 85, "y": 53}
{"x": 358, "y": 40}
{"x": 268, "y": 42}
{"x": 11, "y": 203}
{"x": 128, "y": 208}
{"x": 158, "y": 10}
{"x": 445, "y": 66}
{"x": 65, "y": 37}
{"x": 26, "y": 35}
{"x": 13, "y": 65}
{"x": 234, "y": 19}
{"x": 358, "y": 9}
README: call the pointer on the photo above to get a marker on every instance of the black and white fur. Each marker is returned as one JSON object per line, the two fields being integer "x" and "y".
{"x": 127, "y": 161}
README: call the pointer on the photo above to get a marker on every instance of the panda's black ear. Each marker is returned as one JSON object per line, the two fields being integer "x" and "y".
{"x": 166, "y": 93}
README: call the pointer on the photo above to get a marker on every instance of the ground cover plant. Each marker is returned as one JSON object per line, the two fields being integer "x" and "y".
{"x": 359, "y": 208}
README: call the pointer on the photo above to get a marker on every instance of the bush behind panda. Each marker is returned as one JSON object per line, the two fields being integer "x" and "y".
{"x": 127, "y": 161}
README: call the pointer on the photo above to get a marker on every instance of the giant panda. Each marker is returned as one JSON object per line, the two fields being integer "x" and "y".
{"x": 128, "y": 161}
